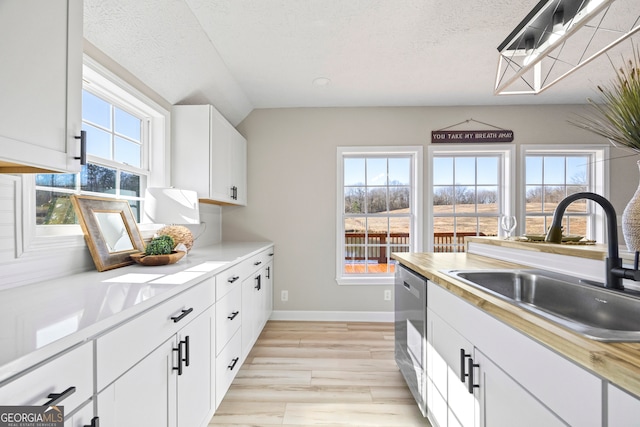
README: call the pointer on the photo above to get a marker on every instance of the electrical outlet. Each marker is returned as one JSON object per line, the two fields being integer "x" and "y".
{"x": 387, "y": 295}
{"x": 284, "y": 296}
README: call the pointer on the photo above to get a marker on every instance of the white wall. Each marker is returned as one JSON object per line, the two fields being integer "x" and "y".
{"x": 292, "y": 181}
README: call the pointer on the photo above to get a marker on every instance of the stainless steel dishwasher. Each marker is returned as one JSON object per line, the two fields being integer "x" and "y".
{"x": 411, "y": 331}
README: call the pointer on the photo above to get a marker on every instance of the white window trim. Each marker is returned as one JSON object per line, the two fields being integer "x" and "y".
{"x": 416, "y": 152}
{"x": 35, "y": 238}
{"x": 507, "y": 172}
{"x": 599, "y": 178}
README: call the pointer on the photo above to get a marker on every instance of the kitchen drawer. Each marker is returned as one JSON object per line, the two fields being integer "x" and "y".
{"x": 258, "y": 261}
{"x": 228, "y": 279}
{"x": 124, "y": 346}
{"x": 73, "y": 368}
{"x": 228, "y": 317}
{"x": 228, "y": 364}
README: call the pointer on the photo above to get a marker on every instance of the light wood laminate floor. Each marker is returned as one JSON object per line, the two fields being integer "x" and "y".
{"x": 320, "y": 374}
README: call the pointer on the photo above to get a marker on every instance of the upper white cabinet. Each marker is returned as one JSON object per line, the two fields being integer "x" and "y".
{"x": 208, "y": 155}
{"x": 41, "y": 85}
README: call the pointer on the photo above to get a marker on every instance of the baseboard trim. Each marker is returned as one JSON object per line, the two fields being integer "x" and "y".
{"x": 333, "y": 316}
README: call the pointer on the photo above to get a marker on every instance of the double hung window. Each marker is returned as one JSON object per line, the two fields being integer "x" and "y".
{"x": 378, "y": 210}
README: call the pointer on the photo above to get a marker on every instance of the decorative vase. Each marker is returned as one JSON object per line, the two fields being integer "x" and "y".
{"x": 631, "y": 221}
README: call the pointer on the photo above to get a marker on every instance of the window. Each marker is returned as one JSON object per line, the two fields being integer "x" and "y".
{"x": 468, "y": 193}
{"x": 121, "y": 125}
{"x": 378, "y": 211}
{"x": 552, "y": 174}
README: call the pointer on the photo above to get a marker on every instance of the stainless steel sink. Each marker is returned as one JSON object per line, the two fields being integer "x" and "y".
{"x": 582, "y": 306}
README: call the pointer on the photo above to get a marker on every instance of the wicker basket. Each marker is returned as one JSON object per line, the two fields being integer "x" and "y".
{"x": 180, "y": 234}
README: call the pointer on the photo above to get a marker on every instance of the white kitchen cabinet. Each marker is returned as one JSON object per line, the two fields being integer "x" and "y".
{"x": 175, "y": 379}
{"x": 623, "y": 408}
{"x": 83, "y": 417}
{"x": 208, "y": 155}
{"x": 520, "y": 382}
{"x": 65, "y": 380}
{"x": 257, "y": 297}
{"x": 447, "y": 356}
{"x": 41, "y": 85}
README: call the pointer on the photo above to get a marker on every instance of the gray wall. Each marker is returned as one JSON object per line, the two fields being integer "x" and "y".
{"x": 292, "y": 183}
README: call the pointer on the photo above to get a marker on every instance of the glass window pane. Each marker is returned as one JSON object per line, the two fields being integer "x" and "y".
{"x": 554, "y": 170}
{"x": 577, "y": 170}
{"x": 536, "y": 225}
{"x": 577, "y": 225}
{"x": 465, "y": 199}
{"x": 552, "y": 196}
{"x": 130, "y": 184}
{"x": 59, "y": 180}
{"x": 488, "y": 226}
{"x": 399, "y": 171}
{"x": 376, "y": 171}
{"x": 466, "y": 224}
{"x": 354, "y": 171}
{"x": 443, "y": 171}
{"x": 135, "y": 209}
{"x": 443, "y": 199}
{"x": 533, "y": 198}
{"x": 399, "y": 229}
{"x": 127, "y": 152}
{"x": 98, "y": 142}
{"x": 377, "y": 200}
{"x": 443, "y": 224}
{"x": 487, "y": 171}
{"x": 354, "y": 199}
{"x": 465, "y": 171}
{"x": 399, "y": 199}
{"x": 96, "y": 110}
{"x": 98, "y": 179}
{"x": 54, "y": 208}
{"x": 378, "y": 225}
{"x": 533, "y": 170}
{"x": 127, "y": 124}
{"x": 355, "y": 225}
{"x": 487, "y": 198}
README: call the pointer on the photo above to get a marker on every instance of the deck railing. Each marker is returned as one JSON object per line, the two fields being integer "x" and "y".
{"x": 379, "y": 243}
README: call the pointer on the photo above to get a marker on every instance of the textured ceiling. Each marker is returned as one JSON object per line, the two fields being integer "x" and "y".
{"x": 245, "y": 54}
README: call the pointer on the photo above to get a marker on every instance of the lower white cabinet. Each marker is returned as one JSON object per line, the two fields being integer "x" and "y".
{"x": 169, "y": 387}
{"x": 623, "y": 408}
{"x": 83, "y": 417}
{"x": 507, "y": 378}
{"x": 65, "y": 380}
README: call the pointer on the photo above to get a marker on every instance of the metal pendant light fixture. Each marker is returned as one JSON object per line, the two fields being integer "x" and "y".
{"x": 558, "y": 37}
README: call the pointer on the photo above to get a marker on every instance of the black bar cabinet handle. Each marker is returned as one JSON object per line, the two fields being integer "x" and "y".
{"x": 463, "y": 357}
{"x": 406, "y": 285}
{"x": 233, "y": 363}
{"x": 268, "y": 272}
{"x": 56, "y": 398}
{"x": 257, "y": 263}
{"x": 186, "y": 350}
{"x": 233, "y": 315}
{"x": 184, "y": 314}
{"x": 233, "y": 279}
{"x": 258, "y": 280}
{"x": 470, "y": 366}
{"x": 83, "y": 147}
{"x": 95, "y": 422}
{"x": 179, "y": 350}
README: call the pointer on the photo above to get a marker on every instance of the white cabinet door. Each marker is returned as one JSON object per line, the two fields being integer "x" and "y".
{"x": 251, "y": 311}
{"x": 448, "y": 354}
{"x": 195, "y": 402}
{"x": 208, "y": 155}
{"x": 504, "y": 402}
{"x": 623, "y": 408}
{"x": 41, "y": 84}
{"x": 145, "y": 395}
{"x": 83, "y": 418}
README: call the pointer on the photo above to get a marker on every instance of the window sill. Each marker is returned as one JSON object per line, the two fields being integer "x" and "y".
{"x": 362, "y": 280}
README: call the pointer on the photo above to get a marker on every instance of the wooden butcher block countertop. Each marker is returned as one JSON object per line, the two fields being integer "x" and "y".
{"x": 618, "y": 363}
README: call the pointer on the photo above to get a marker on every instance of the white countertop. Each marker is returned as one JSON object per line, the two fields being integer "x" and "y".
{"x": 40, "y": 320}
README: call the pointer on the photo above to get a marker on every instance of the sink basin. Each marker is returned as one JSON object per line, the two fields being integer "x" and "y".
{"x": 582, "y": 306}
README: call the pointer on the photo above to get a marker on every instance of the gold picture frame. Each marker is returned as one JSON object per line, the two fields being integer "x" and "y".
{"x": 110, "y": 230}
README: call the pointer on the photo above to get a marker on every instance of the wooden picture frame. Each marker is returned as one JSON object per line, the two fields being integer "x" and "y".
{"x": 110, "y": 230}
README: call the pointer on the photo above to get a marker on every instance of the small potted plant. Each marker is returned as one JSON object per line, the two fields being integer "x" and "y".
{"x": 159, "y": 251}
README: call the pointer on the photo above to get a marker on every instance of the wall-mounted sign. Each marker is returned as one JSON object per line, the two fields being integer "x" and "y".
{"x": 500, "y": 135}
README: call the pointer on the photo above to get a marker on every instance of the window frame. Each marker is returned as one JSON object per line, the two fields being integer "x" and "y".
{"x": 415, "y": 245}
{"x": 506, "y": 173}
{"x": 598, "y": 178}
{"x": 155, "y": 159}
